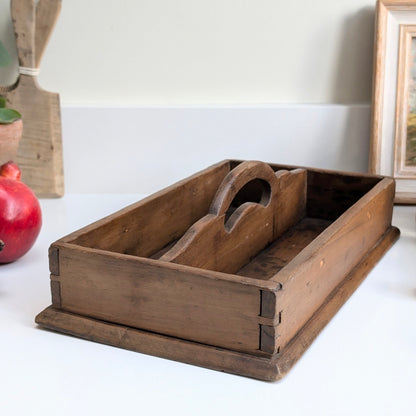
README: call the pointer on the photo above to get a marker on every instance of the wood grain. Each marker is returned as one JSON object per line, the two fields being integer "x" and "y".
{"x": 331, "y": 194}
{"x": 284, "y": 249}
{"x": 109, "y": 285}
{"x": 170, "y": 300}
{"x": 40, "y": 152}
{"x": 316, "y": 271}
{"x": 243, "y": 364}
{"x": 224, "y": 241}
{"x": 23, "y": 14}
{"x": 307, "y": 334}
{"x": 171, "y": 212}
{"x": 10, "y": 135}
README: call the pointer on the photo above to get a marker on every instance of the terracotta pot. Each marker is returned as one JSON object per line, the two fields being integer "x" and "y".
{"x": 10, "y": 135}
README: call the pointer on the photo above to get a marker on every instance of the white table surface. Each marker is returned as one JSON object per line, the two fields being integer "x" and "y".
{"x": 362, "y": 363}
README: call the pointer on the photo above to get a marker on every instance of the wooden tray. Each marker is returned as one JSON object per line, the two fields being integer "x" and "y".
{"x": 236, "y": 268}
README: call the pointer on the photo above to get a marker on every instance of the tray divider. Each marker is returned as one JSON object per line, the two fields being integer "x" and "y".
{"x": 264, "y": 204}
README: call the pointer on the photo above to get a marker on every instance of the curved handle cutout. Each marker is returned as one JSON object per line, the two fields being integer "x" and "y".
{"x": 256, "y": 191}
{"x": 237, "y": 179}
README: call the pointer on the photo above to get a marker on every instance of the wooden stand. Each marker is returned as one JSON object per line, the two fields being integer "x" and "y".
{"x": 237, "y": 268}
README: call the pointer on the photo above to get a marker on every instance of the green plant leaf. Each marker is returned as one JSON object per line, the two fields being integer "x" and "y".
{"x": 4, "y": 56}
{"x": 2, "y": 102}
{"x": 7, "y": 115}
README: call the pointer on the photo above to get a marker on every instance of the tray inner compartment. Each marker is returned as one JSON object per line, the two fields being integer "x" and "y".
{"x": 137, "y": 231}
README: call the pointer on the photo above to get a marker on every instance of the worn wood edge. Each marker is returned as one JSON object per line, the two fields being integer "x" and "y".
{"x": 262, "y": 368}
{"x": 308, "y": 333}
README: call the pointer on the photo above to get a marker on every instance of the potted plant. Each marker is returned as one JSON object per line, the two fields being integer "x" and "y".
{"x": 10, "y": 122}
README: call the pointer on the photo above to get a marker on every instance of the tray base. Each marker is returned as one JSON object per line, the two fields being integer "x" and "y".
{"x": 215, "y": 358}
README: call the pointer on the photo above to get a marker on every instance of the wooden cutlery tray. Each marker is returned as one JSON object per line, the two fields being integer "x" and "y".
{"x": 236, "y": 268}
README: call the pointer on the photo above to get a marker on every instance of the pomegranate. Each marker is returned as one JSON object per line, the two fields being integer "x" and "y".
{"x": 20, "y": 215}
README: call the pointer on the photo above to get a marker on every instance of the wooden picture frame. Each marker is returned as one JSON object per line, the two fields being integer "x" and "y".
{"x": 393, "y": 133}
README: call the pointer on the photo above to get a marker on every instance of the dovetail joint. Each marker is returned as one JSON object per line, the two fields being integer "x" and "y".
{"x": 267, "y": 304}
{"x": 56, "y": 293}
{"x": 54, "y": 260}
{"x": 268, "y": 339}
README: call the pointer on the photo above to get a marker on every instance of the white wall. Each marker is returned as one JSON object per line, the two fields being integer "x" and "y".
{"x": 170, "y": 52}
{"x": 155, "y": 90}
{"x": 141, "y": 150}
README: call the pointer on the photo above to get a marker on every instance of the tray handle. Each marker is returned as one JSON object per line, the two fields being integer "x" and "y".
{"x": 236, "y": 180}
{"x": 225, "y": 242}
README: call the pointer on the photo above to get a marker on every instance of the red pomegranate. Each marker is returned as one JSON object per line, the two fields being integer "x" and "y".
{"x": 20, "y": 215}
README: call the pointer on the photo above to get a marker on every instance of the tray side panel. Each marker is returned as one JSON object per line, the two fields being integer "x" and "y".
{"x": 304, "y": 338}
{"x": 331, "y": 194}
{"x": 150, "y": 224}
{"x": 167, "y": 300}
{"x": 317, "y": 270}
{"x": 263, "y": 368}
